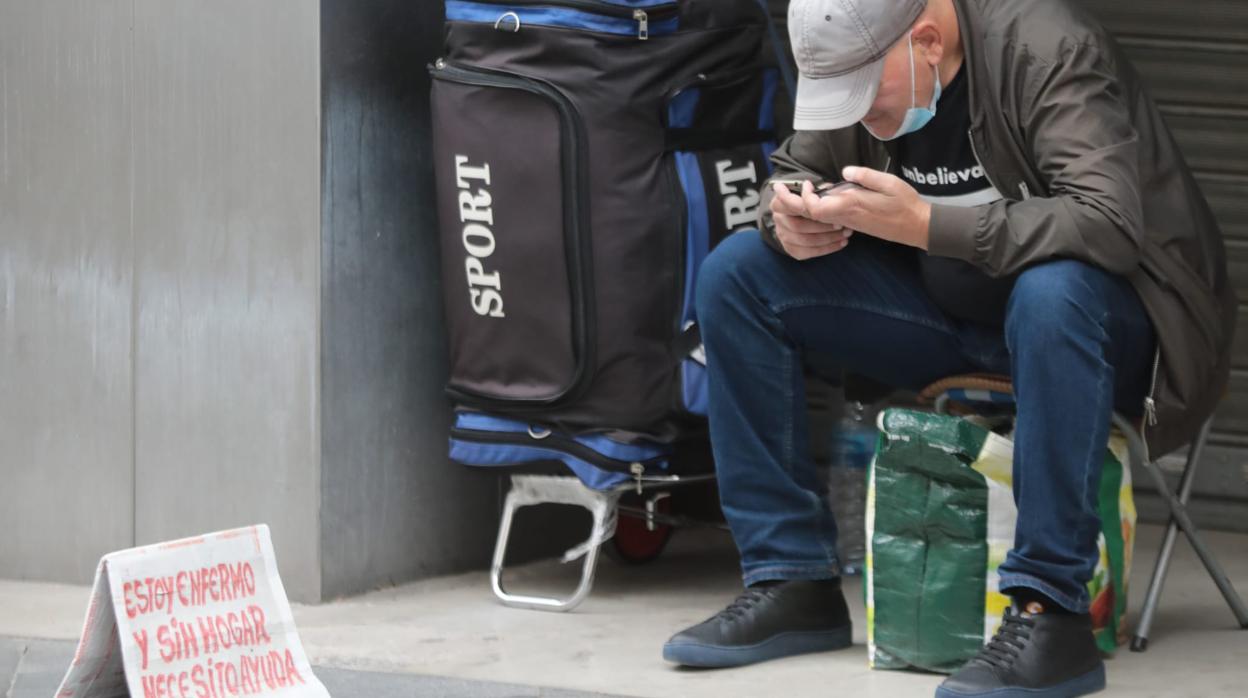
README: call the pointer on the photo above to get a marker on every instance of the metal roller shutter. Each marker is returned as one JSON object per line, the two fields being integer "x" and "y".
{"x": 1193, "y": 55}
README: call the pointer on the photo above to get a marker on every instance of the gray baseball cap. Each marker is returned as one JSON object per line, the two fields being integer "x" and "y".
{"x": 839, "y": 46}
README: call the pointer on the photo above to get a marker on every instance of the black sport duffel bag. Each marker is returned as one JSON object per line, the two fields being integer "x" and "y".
{"x": 589, "y": 153}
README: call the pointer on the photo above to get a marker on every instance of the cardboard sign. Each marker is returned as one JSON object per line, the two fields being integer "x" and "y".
{"x": 203, "y": 617}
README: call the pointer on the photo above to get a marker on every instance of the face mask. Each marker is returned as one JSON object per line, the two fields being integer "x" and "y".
{"x": 916, "y": 117}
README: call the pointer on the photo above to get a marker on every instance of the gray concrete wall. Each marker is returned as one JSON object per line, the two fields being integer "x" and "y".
{"x": 392, "y": 506}
{"x": 227, "y": 260}
{"x": 159, "y": 279}
{"x": 66, "y": 286}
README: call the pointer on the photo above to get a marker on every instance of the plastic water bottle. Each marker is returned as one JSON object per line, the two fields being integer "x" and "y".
{"x": 852, "y": 446}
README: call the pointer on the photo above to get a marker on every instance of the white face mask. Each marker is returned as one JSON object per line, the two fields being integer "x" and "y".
{"x": 916, "y": 117}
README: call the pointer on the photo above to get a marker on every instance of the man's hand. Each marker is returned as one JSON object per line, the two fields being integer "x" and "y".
{"x": 886, "y": 207}
{"x": 799, "y": 235}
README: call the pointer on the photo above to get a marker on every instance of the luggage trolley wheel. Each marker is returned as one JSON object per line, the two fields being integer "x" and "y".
{"x": 638, "y": 540}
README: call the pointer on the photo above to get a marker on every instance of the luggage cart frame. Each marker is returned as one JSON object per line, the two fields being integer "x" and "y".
{"x": 603, "y": 506}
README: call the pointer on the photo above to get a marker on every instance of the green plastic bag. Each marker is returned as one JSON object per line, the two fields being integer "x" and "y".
{"x": 940, "y": 519}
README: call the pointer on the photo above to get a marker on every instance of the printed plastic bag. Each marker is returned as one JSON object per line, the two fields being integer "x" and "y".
{"x": 940, "y": 519}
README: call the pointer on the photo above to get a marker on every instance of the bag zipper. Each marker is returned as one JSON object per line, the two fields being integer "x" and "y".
{"x": 642, "y": 16}
{"x": 560, "y": 443}
{"x": 662, "y": 10}
{"x": 577, "y": 244}
{"x": 1150, "y": 404}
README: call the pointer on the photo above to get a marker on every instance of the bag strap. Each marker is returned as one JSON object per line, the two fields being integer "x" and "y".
{"x": 782, "y": 60}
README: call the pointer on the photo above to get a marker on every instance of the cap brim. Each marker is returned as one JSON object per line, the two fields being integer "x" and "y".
{"x": 825, "y": 104}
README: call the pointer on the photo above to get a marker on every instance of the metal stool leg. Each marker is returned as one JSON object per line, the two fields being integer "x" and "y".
{"x": 1139, "y": 642}
{"x": 1179, "y": 520}
{"x": 528, "y": 490}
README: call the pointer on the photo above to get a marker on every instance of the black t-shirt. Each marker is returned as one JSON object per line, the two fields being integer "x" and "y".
{"x": 937, "y": 160}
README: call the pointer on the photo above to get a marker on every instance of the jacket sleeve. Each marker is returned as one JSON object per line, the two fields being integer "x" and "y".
{"x": 1077, "y": 126}
{"x": 804, "y": 155}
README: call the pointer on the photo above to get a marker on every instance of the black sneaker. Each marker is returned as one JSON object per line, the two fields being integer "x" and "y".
{"x": 766, "y": 622}
{"x": 1033, "y": 655}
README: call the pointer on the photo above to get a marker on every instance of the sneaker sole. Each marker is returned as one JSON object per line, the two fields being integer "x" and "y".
{"x": 782, "y": 645}
{"x": 1090, "y": 682}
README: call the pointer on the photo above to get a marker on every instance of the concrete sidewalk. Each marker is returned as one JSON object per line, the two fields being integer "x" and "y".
{"x": 448, "y": 636}
{"x": 33, "y": 669}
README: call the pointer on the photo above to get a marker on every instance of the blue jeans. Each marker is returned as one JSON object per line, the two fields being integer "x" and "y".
{"x": 1075, "y": 340}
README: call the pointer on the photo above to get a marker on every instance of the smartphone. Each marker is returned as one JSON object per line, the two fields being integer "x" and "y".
{"x": 821, "y": 188}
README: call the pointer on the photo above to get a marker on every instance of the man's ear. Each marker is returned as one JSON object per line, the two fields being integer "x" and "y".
{"x": 927, "y": 41}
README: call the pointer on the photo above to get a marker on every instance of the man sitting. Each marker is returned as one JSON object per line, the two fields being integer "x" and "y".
{"x": 1021, "y": 208}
